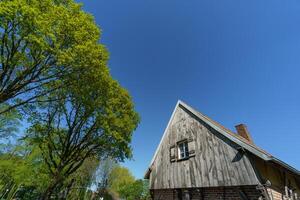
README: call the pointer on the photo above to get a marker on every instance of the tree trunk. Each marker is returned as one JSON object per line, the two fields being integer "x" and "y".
{"x": 67, "y": 191}
{"x": 50, "y": 189}
{"x": 47, "y": 194}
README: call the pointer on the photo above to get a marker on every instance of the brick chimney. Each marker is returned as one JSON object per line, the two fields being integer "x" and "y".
{"x": 243, "y": 132}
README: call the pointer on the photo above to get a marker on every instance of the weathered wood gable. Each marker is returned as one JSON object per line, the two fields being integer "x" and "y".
{"x": 217, "y": 160}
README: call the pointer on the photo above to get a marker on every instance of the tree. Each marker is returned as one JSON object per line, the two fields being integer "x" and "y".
{"x": 52, "y": 62}
{"x": 123, "y": 185}
{"x": 22, "y": 173}
{"x": 80, "y": 181}
{"x": 145, "y": 195}
{"x": 119, "y": 177}
{"x": 9, "y": 123}
{"x": 96, "y": 119}
{"x": 42, "y": 45}
{"x": 137, "y": 190}
{"x": 102, "y": 176}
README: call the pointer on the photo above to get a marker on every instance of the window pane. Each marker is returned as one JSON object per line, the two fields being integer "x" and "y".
{"x": 183, "y": 150}
{"x": 186, "y": 149}
{"x": 181, "y": 147}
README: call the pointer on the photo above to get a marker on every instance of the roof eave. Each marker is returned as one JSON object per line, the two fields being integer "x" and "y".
{"x": 287, "y": 166}
{"x": 147, "y": 174}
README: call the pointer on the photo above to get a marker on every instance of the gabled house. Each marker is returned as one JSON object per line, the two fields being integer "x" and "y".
{"x": 198, "y": 158}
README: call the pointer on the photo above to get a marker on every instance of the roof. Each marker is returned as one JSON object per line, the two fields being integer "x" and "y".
{"x": 235, "y": 138}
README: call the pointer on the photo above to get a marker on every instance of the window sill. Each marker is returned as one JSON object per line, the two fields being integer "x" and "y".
{"x": 183, "y": 159}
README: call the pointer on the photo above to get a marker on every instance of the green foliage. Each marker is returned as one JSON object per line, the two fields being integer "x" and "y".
{"x": 9, "y": 127}
{"x": 82, "y": 179}
{"x": 27, "y": 193}
{"x": 9, "y": 122}
{"x": 23, "y": 170}
{"x": 123, "y": 185}
{"x": 102, "y": 175}
{"x": 137, "y": 190}
{"x": 44, "y": 45}
{"x": 119, "y": 177}
{"x": 79, "y": 127}
{"x": 54, "y": 71}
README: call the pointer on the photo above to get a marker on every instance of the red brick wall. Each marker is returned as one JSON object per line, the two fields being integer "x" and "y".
{"x": 213, "y": 193}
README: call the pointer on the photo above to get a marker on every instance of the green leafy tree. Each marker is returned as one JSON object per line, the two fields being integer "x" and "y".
{"x": 96, "y": 119}
{"x": 42, "y": 45}
{"x": 101, "y": 176}
{"x": 119, "y": 177}
{"x": 81, "y": 180}
{"x": 22, "y": 172}
{"x": 145, "y": 195}
{"x": 9, "y": 123}
{"x": 9, "y": 127}
{"x": 122, "y": 184}
{"x": 24, "y": 175}
{"x": 53, "y": 67}
{"x": 137, "y": 190}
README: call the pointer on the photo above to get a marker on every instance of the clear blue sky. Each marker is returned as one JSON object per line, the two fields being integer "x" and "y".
{"x": 235, "y": 61}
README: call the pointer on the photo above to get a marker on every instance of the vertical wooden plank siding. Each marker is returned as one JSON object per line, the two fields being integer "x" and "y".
{"x": 217, "y": 162}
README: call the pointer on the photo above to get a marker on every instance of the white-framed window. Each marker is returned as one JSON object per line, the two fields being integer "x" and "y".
{"x": 183, "y": 149}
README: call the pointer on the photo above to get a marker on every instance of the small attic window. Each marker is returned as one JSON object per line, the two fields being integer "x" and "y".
{"x": 183, "y": 150}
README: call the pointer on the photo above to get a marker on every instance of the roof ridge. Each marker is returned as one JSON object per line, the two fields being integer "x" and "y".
{"x": 231, "y": 132}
